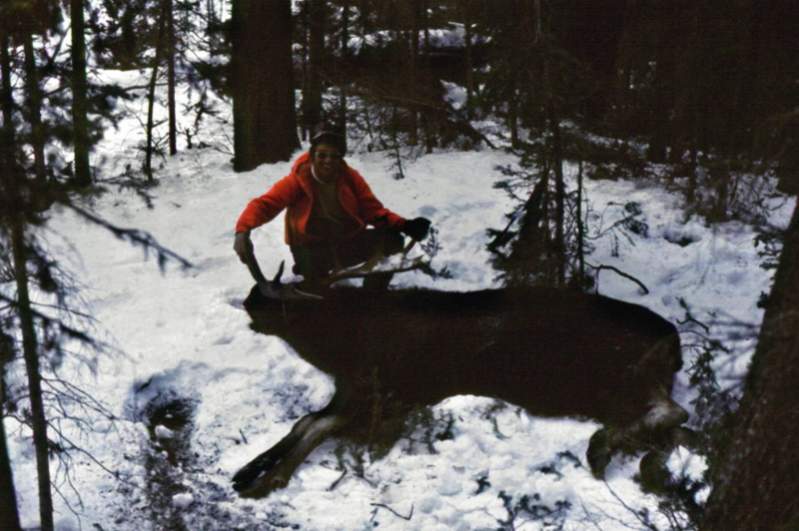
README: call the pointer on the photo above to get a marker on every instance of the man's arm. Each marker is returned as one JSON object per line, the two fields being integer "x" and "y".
{"x": 261, "y": 210}
{"x": 266, "y": 207}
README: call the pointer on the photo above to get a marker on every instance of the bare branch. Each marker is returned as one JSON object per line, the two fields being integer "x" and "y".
{"x": 620, "y": 273}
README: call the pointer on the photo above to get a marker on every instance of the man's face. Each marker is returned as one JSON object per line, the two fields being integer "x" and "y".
{"x": 326, "y": 162}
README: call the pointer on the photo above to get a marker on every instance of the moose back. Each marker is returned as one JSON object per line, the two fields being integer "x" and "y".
{"x": 555, "y": 352}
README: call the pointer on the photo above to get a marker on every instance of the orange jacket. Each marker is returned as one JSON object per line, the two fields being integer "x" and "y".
{"x": 295, "y": 192}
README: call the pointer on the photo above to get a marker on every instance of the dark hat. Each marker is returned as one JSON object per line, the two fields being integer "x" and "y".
{"x": 330, "y": 137}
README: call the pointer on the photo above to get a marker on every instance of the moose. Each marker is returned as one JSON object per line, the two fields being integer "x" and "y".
{"x": 555, "y": 352}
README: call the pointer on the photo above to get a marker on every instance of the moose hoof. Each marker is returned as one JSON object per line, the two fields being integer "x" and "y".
{"x": 261, "y": 486}
{"x": 599, "y": 452}
{"x": 654, "y": 475}
{"x": 254, "y": 472}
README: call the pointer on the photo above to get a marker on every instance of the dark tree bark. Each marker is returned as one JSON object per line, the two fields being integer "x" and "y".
{"x": 413, "y": 70}
{"x": 312, "y": 93}
{"x": 755, "y": 484}
{"x": 31, "y": 352}
{"x": 170, "y": 76}
{"x": 345, "y": 58}
{"x": 34, "y": 101}
{"x": 469, "y": 67}
{"x": 264, "y": 122}
{"x": 580, "y": 226}
{"x": 9, "y": 515}
{"x": 7, "y": 96}
{"x": 80, "y": 119}
{"x": 148, "y": 147}
{"x": 305, "y": 20}
{"x": 663, "y": 89}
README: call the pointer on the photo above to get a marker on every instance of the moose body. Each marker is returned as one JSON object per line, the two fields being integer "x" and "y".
{"x": 554, "y": 352}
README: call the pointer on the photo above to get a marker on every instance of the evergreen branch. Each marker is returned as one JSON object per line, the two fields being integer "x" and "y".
{"x": 136, "y": 237}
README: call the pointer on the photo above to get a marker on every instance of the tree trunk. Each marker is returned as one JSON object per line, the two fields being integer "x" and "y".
{"x": 264, "y": 122}
{"x": 306, "y": 25}
{"x": 467, "y": 35}
{"x": 34, "y": 100}
{"x": 755, "y": 482}
{"x": 170, "y": 74}
{"x": 663, "y": 99}
{"x": 80, "y": 120}
{"x": 580, "y": 225}
{"x": 7, "y": 95}
{"x": 31, "y": 351}
{"x": 312, "y": 95}
{"x": 556, "y": 148}
{"x": 9, "y": 515}
{"x": 148, "y": 148}
{"x": 560, "y": 197}
{"x": 413, "y": 72}
{"x": 345, "y": 58}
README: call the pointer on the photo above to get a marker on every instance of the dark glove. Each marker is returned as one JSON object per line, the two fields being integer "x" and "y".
{"x": 416, "y": 228}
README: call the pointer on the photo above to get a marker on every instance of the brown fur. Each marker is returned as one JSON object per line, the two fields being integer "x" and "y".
{"x": 554, "y": 352}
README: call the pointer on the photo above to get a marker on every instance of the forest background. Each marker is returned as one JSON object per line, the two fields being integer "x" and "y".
{"x": 699, "y": 97}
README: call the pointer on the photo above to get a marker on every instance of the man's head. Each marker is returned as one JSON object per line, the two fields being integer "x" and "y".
{"x": 330, "y": 137}
{"x": 327, "y": 150}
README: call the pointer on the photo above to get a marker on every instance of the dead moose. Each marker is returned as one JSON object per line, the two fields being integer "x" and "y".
{"x": 554, "y": 352}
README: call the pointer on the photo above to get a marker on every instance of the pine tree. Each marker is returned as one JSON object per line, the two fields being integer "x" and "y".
{"x": 755, "y": 485}
{"x": 80, "y": 119}
{"x": 264, "y": 122}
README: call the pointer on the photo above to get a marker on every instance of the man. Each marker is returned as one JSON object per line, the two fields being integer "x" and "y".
{"x": 329, "y": 207}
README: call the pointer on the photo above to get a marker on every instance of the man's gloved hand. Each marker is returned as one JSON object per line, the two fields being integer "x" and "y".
{"x": 243, "y": 246}
{"x": 416, "y": 228}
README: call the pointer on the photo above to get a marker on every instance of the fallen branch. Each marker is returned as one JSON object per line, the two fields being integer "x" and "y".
{"x": 392, "y": 511}
{"x": 620, "y": 273}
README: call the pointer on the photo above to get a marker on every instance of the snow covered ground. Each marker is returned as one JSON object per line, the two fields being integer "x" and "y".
{"x": 184, "y": 334}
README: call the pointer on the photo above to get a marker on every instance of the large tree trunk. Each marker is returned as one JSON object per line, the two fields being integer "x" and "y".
{"x": 755, "y": 484}
{"x": 148, "y": 147}
{"x": 413, "y": 71}
{"x": 31, "y": 351}
{"x": 468, "y": 57}
{"x": 312, "y": 90}
{"x": 80, "y": 119}
{"x": 34, "y": 100}
{"x": 170, "y": 76}
{"x": 264, "y": 122}
{"x": 9, "y": 516}
{"x": 345, "y": 58}
{"x": 6, "y": 94}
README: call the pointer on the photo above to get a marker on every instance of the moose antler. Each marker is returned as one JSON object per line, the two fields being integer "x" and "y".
{"x": 367, "y": 268}
{"x": 274, "y": 289}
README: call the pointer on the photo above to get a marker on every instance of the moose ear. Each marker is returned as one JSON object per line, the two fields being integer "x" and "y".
{"x": 279, "y": 274}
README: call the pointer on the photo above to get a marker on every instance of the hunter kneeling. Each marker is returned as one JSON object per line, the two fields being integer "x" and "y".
{"x": 329, "y": 207}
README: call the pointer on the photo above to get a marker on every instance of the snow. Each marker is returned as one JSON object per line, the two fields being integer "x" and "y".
{"x": 183, "y": 500}
{"x": 184, "y": 334}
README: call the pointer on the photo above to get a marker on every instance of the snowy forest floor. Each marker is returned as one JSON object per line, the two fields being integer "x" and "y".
{"x": 180, "y": 345}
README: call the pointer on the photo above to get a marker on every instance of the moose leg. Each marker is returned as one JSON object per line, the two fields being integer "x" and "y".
{"x": 272, "y": 469}
{"x": 657, "y": 429}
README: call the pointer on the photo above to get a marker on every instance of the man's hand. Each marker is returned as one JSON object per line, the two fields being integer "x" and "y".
{"x": 243, "y": 246}
{"x": 416, "y": 228}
